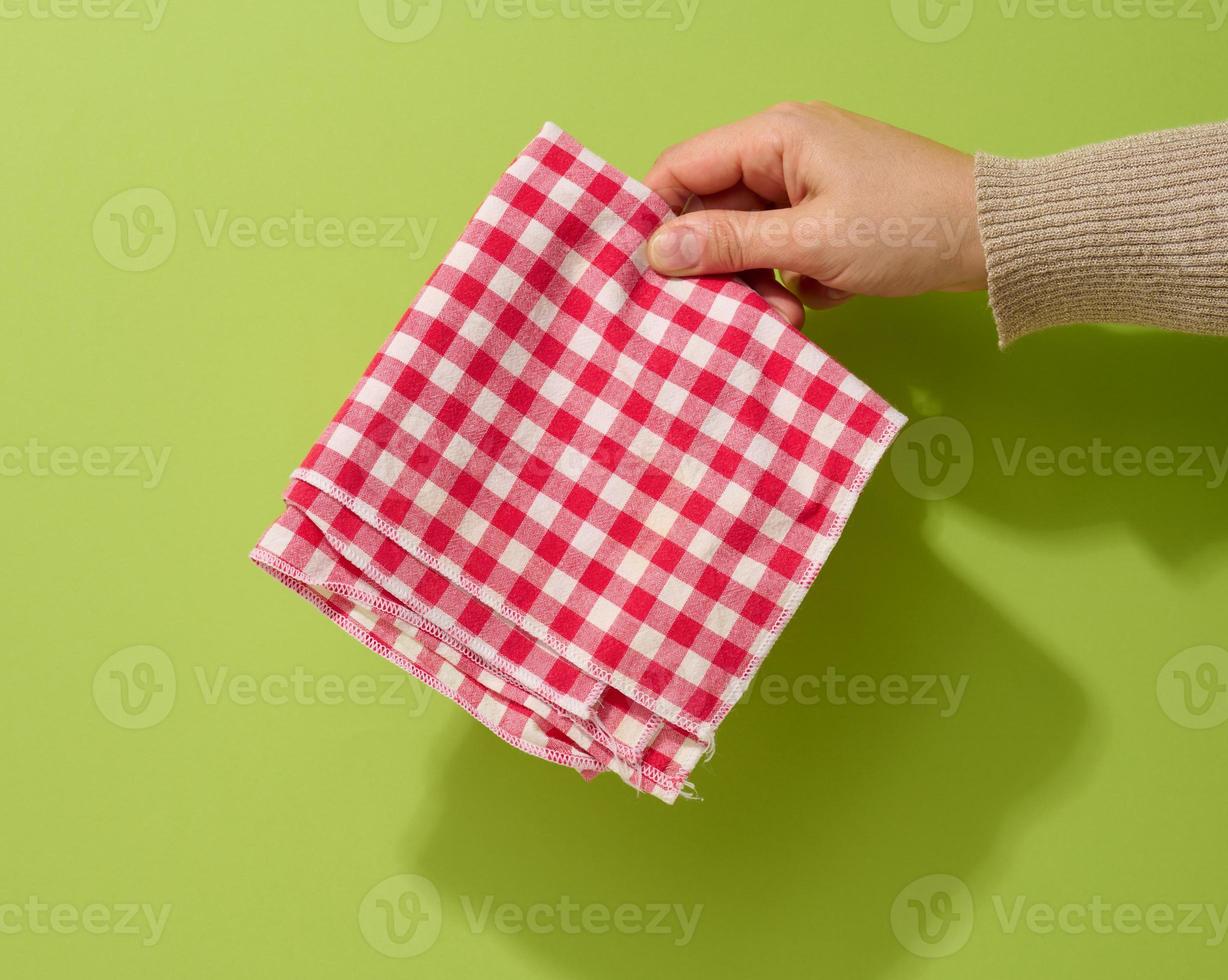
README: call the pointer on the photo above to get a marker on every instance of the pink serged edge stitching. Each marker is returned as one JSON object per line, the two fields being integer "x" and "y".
{"x": 286, "y": 574}
{"x": 801, "y": 585}
{"x": 461, "y": 640}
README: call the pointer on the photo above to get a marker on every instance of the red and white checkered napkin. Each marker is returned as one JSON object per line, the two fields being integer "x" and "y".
{"x": 577, "y": 498}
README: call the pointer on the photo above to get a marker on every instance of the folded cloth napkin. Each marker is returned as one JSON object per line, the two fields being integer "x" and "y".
{"x": 578, "y": 498}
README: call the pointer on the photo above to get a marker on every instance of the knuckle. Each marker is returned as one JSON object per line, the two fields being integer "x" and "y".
{"x": 724, "y": 243}
{"x": 789, "y": 107}
{"x": 666, "y": 155}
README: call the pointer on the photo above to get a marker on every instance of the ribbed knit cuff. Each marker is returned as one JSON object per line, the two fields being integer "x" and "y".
{"x": 1132, "y": 231}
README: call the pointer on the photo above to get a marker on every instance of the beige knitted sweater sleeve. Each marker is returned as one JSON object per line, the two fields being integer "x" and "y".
{"x": 1131, "y": 231}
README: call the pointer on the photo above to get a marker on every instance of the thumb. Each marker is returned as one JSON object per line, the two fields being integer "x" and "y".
{"x": 724, "y": 242}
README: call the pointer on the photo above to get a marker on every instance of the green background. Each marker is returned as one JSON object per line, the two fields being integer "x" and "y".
{"x": 263, "y": 825}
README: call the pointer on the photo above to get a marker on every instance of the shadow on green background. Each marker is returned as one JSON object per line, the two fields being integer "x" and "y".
{"x": 817, "y": 815}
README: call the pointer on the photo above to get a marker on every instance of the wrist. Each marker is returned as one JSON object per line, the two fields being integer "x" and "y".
{"x": 972, "y": 266}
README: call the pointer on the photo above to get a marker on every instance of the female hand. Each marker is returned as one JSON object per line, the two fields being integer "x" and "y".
{"x": 840, "y": 204}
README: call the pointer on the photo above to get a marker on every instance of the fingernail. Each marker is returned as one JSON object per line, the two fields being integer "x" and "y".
{"x": 676, "y": 248}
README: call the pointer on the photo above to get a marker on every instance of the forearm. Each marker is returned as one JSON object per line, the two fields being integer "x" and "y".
{"x": 1131, "y": 231}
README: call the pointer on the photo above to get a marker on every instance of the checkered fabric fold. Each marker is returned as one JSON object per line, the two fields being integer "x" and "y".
{"x": 580, "y": 499}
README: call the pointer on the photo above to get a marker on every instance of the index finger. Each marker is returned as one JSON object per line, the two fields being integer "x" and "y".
{"x": 750, "y": 152}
